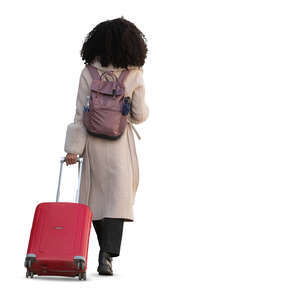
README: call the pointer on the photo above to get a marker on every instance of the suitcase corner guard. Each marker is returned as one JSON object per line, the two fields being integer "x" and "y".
{"x": 79, "y": 261}
{"x": 30, "y": 258}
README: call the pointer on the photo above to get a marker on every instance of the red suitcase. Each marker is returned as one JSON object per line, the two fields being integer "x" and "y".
{"x": 59, "y": 237}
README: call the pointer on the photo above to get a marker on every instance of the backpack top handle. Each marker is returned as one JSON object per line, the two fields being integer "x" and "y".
{"x": 111, "y": 74}
{"x": 96, "y": 76}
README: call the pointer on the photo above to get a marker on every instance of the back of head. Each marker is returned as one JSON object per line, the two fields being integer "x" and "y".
{"x": 116, "y": 42}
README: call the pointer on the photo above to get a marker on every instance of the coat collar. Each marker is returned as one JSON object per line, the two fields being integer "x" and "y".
{"x": 96, "y": 63}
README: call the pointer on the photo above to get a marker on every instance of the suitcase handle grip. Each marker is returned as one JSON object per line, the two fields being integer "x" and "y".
{"x": 62, "y": 160}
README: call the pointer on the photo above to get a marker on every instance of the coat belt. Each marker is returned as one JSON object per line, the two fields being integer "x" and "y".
{"x": 134, "y": 129}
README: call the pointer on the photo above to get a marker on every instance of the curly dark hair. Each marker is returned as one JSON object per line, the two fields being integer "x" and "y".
{"x": 118, "y": 42}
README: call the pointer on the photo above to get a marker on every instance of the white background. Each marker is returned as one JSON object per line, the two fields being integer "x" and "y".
{"x": 217, "y": 209}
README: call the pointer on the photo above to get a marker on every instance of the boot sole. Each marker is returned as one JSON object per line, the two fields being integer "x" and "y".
{"x": 105, "y": 273}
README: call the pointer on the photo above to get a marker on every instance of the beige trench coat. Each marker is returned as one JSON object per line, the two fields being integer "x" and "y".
{"x": 110, "y": 173}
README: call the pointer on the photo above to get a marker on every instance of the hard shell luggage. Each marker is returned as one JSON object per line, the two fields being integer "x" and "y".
{"x": 59, "y": 237}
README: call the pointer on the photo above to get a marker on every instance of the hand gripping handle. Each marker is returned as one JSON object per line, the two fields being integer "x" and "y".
{"x": 62, "y": 160}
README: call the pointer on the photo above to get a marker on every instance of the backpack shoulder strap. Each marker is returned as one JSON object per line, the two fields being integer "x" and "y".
{"x": 94, "y": 73}
{"x": 123, "y": 76}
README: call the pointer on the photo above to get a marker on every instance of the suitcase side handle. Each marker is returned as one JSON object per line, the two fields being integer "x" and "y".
{"x": 62, "y": 160}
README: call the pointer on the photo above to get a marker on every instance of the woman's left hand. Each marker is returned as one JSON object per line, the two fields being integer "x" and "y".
{"x": 71, "y": 159}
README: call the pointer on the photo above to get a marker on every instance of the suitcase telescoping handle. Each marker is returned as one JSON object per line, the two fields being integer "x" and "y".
{"x": 62, "y": 160}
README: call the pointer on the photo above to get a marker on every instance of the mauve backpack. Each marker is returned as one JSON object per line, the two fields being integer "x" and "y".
{"x": 106, "y": 112}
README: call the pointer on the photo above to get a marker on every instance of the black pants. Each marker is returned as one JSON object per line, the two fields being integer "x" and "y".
{"x": 109, "y": 233}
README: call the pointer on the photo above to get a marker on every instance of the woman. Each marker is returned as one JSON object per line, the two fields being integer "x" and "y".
{"x": 110, "y": 173}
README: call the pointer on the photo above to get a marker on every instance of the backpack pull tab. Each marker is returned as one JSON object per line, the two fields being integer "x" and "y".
{"x": 114, "y": 89}
{"x": 126, "y": 106}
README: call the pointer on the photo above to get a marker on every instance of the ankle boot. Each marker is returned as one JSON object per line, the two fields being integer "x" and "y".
{"x": 105, "y": 264}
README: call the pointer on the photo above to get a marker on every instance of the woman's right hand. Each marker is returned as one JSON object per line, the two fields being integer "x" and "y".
{"x": 71, "y": 158}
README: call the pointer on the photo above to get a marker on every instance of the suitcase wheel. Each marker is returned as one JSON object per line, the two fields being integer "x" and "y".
{"x": 82, "y": 276}
{"x": 29, "y": 274}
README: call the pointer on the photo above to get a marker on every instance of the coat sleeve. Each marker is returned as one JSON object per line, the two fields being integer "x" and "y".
{"x": 139, "y": 108}
{"x": 76, "y": 133}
